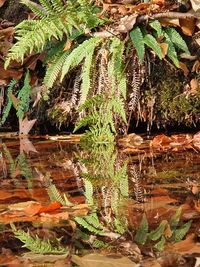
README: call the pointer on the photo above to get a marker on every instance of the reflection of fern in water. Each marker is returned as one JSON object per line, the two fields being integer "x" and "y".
{"x": 166, "y": 231}
{"x": 37, "y": 245}
{"x": 138, "y": 188}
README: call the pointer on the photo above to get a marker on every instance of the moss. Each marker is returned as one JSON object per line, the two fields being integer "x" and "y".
{"x": 173, "y": 104}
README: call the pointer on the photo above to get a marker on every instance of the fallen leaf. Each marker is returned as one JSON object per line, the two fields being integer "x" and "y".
{"x": 189, "y": 246}
{"x": 51, "y": 207}
{"x": 26, "y": 146}
{"x": 29, "y": 208}
{"x": 195, "y": 5}
{"x": 98, "y": 260}
{"x": 196, "y": 140}
{"x": 196, "y": 66}
{"x": 68, "y": 45}
{"x": 184, "y": 68}
{"x": 187, "y": 26}
{"x": 25, "y": 125}
{"x": 2, "y": 2}
{"x": 164, "y": 49}
{"x": 160, "y": 140}
{"x": 194, "y": 85}
{"x": 126, "y": 23}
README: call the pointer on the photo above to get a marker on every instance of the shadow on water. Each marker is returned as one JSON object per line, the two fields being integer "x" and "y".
{"x": 62, "y": 199}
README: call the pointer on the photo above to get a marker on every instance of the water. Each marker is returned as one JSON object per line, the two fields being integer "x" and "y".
{"x": 126, "y": 185}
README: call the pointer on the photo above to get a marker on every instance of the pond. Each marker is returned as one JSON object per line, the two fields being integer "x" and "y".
{"x": 65, "y": 203}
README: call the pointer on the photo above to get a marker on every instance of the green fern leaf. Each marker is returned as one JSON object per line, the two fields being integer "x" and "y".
{"x": 89, "y": 192}
{"x": 175, "y": 219}
{"x": 171, "y": 52}
{"x": 161, "y": 244}
{"x": 54, "y": 70}
{"x": 78, "y": 54}
{"x": 8, "y": 106}
{"x": 142, "y": 232}
{"x": 37, "y": 245}
{"x": 179, "y": 234}
{"x": 86, "y": 71}
{"x": 150, "y": 41}
{"x": 158, "y": 232}
{"x": 24, "y": 98}
{"x": 155, "y": 24}
{"x": 177, "y": 39}
{"x": 137, "y": 39}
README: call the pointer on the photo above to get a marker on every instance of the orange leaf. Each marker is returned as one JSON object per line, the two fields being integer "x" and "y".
{"x": 51, "y": 207}
{"x": 194, "y": 85}
{"x": 164, "y": 48}
{"x": 184, "y": 68}
{"x": 196, "y": 66}
{"x": 2, "y": 2}
{"x": 160, "y": 140}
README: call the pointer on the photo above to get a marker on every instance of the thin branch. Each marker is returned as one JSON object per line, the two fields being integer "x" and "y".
{"x": 168, "y": 15}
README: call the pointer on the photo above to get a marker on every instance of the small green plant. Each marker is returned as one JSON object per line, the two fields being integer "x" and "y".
{"x": 20, "y": 99}
{"x": 166, "y": 231}
{"x": 38, "y": 245}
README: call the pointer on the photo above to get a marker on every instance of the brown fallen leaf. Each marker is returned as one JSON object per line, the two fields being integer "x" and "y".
{"x": 126, "y": 23}
{"x": 160, "y": 140}
{"x": 26, "y": 146}
{"x": 196, "y": 140}
{"x": 2, "y": 2}
{"x": 25, "y": 125}
{"x": 189, "y": 246}
{"x": 98, "y": 260}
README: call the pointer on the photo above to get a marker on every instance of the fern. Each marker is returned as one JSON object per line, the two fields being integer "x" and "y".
{"x": 78, "y": 54}
{"x": 55, "y": 195}
{"x": 177, "y": 39}
{"x": 8, "y": 106}
{"x": 24, "y": 98}
{"x": 88, "y": 225}
{"x": 138, "y": 42}
{"x": 54, "y": 69}
{"x": 158, "y": 232}
{"x": 56, "y": 20}
{"x": 89, "y": 192}
{"x": 37, "y": 245}
{"x": 150, "y": 41}
{"x": 142, "y": 232}
{"x": 171, "y": 52}
{"x": 155, "y": 24}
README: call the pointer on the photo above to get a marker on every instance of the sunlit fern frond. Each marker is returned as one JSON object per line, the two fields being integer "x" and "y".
{"x": 54, "y": 69}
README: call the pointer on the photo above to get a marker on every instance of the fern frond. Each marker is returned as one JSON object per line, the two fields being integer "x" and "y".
{"x": 36, "y": 8}
{"x": 150, "y": 41}
{"x": 171, "y": 52}
{"x": 24, "y": 98}
{"x": 37, "y": 245}
{"x": 88, "y": 192}
{"x": 78, "y": 54}
{"x": 155, "y": 24}
{"x": 177, "y": 39}
{"x": 8, "y": 106}
{"x": 33, "y": 35}
{"x": 54, "y": 69}
{"x": 182, "y": 231}
{"x": 137, "y": 39}
{"x": 142, "y": 232}
{"x": 55, "y": 195}
{"x": 86, "y": 71}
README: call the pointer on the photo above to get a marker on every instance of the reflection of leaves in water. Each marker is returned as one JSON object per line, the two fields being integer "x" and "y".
{"x": 161, "y": 233}
{"x": 20, "y": 165}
